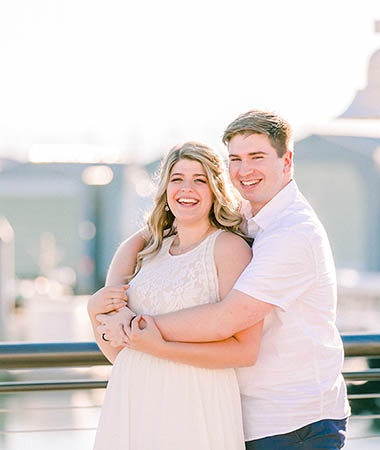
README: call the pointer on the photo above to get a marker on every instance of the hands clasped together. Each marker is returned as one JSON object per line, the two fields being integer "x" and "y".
{"x": 119, "y": 326}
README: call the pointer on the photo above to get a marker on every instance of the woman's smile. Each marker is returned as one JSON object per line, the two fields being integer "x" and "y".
{"x": 188, "y": 192}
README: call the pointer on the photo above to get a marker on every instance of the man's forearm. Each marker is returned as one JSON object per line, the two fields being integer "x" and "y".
{"x": 210, "y": 355}
{"x": 213, "y": 322}
{"x": 190, "y": 325}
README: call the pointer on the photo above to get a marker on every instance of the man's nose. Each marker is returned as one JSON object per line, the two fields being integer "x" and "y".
{"x": 245, "y": 168}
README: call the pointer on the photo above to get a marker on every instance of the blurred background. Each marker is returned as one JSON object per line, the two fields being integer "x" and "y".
{"x": 93, "y": 93}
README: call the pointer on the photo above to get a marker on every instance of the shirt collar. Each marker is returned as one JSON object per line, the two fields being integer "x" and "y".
{"x": 270, "y": 211}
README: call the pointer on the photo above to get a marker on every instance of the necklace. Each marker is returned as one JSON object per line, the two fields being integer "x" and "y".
{"x": 180, "y": 250}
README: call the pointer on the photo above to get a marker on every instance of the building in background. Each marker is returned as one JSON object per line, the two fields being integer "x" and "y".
{"x": 338, "y": 170}
{"x": 66, "y": 219}
{"x": 69, "y": 218}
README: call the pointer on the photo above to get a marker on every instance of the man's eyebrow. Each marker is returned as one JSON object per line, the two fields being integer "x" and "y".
{"x": 232, "y": 155}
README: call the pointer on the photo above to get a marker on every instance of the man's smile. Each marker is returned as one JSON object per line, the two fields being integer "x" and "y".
{"x": 248, "y": 183}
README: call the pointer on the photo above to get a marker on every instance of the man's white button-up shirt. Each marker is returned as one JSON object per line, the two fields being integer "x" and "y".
{"x": 297, "y": 378}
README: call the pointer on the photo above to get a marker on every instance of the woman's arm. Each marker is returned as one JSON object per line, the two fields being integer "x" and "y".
{"x": 122, "y": 265}
{"x": 106, "y": 300}
{"x": 124, "y": 260}
{"x": 107, "y": 349}
{"x": 232, "y": 255}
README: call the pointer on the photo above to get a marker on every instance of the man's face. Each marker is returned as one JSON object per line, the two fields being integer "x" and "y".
{"x": 256, "y": 170}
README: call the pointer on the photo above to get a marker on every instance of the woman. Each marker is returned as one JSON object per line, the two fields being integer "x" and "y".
{"x": 175, "y": 398}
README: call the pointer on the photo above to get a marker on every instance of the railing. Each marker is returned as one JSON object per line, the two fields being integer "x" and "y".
{"x": 33, "y": 355}
{"x": 15, "y": 356}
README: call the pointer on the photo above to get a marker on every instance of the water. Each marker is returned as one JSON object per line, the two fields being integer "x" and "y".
{"x": 72, "y": 416}
{"x": 34, "y": 411}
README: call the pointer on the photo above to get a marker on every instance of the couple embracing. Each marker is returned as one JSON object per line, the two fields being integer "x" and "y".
{"x": 222, "y": 346}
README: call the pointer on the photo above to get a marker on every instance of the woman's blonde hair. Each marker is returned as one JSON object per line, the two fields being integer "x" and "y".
{"x": 225, "y": 211}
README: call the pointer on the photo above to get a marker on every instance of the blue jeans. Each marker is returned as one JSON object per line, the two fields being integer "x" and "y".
{"x": 328, "y": 434}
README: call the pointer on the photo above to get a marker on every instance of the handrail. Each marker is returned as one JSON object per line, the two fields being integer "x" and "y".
{"x": 31, "y": 386}
{"x": 23, "y": 355}
{"x": 50, "y": 354}
{"x": 361, "y": 344}
{"x": 78, "y": 354}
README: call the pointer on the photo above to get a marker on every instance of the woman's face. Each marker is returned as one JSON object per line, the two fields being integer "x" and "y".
{"x": 188, "y": 193}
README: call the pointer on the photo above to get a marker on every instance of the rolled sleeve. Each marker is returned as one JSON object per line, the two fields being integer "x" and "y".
{"x": 281, "y": 270}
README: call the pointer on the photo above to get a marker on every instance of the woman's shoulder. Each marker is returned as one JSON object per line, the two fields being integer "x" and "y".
{"x": 229, "y": 238}
{"x": 229, "y": 245}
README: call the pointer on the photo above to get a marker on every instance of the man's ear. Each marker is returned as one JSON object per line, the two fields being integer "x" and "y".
{"x": 288, "y": 162}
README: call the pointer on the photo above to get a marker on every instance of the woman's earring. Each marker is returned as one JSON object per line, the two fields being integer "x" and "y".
{"x": 167, "y": 208}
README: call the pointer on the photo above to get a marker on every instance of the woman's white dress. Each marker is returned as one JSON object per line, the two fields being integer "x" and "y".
{"x": 156, "y": 404}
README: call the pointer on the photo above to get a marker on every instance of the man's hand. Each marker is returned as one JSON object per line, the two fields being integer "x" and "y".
{"x": 145, "y": 336}
{"x": 113, "y": 326}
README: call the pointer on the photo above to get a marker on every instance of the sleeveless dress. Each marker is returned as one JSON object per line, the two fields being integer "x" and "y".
{"x": 156, "y": 404}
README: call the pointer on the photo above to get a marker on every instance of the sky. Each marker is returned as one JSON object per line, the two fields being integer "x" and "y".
{"x": 134, "y": 78}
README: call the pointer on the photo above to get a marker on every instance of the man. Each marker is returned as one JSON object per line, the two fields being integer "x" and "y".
{"x": 294, "y": 397}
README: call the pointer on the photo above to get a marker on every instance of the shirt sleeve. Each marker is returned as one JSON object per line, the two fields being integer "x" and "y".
{"x": 281, "y": 270}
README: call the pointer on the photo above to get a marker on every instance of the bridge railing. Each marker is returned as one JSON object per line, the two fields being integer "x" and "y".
{"x": 363, "y": 384}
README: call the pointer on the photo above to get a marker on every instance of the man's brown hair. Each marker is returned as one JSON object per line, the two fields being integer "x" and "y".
{"x": 271, "y": 124}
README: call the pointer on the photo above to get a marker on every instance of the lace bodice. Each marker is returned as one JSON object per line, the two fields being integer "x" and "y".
{"x": 168, "y": 283}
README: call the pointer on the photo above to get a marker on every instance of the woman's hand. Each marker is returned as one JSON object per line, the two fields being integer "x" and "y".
{"x": 144, "y": 336}
{"x": 107, "y": 299}
{"x": 114, "y": 326}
